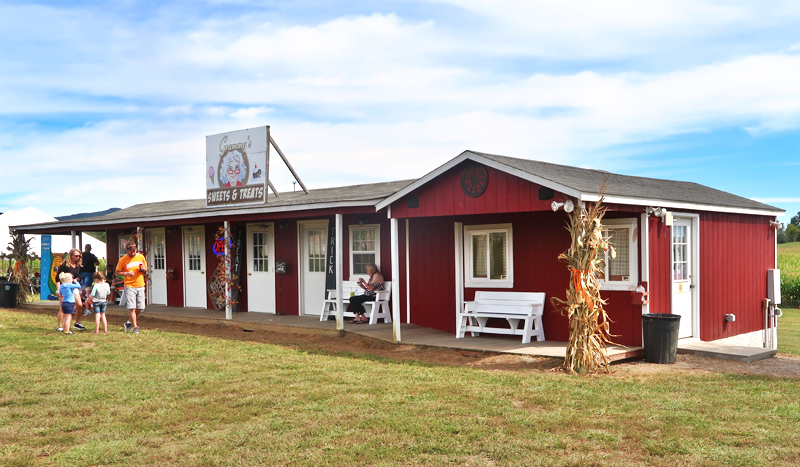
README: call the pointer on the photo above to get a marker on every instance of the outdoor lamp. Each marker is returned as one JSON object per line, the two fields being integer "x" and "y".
{"x": 569, "y": 206}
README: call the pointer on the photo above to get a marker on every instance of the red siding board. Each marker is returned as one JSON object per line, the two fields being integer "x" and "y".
{"x": 735, "y": 252}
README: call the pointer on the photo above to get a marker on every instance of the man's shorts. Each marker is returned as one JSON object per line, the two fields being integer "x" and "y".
{"x": 68, "y": 308}
{"x": 134, "y": 297}
{"x": 86, "y": 279}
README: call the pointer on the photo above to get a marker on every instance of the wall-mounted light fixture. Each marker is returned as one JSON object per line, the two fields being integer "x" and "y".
{"x": 568, "y": 205}
{"x": 776, "y": 224}
{"x": 663, "y": 213}
{"x": 363, "y": 220}
{"x": 283, "y": 225}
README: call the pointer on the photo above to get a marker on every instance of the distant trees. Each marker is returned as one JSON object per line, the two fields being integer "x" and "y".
{"x": 790, "y": 233}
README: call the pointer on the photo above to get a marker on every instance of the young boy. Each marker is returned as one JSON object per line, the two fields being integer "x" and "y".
{"x": 70, "y": 294}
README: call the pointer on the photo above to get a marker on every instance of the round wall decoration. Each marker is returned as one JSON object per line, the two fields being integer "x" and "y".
{"x": 474, "y": 180}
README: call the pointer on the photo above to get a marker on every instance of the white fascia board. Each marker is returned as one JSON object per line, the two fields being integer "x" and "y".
{"x": 202, "y": 215}
{"x": 485, "y": 161}
{"x": 592, "y": 198}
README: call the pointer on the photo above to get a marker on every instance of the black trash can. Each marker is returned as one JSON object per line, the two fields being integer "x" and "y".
{"x": 660, "y": 332}
{"x": 8, "y": 294}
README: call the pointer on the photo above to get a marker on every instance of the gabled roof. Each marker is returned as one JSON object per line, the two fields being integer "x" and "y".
{"x": 583, "y": 185}
{"x": 347, "y": 196}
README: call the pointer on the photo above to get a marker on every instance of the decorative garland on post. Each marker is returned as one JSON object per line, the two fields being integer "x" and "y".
{"x": 222, "y": 275}
{"x": 588, "y": 323}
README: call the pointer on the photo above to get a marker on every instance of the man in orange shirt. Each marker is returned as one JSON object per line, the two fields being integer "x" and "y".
{"x": 133, "y": 267}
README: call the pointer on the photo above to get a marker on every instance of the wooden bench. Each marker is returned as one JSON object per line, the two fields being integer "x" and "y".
{"x": 374, "y": 310}
{"x": 513, "y": 306}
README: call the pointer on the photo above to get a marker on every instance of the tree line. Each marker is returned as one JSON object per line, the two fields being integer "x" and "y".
{"x": 790, "y": 232}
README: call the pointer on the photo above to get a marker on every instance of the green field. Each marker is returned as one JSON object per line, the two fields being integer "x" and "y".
{"x": 163, "y": 398}
{"x": 789, "y": 264}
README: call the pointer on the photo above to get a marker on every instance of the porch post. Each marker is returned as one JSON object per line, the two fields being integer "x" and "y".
{"x": 227, "y": 262}
{"x": 408, "y": 277}
{"x": 339, "y": 274}
{"x": 645, "y": 256}
{"x": 74, "y": 243}
{"x": 459, "y": 243}
{"x": 396, "y": 279}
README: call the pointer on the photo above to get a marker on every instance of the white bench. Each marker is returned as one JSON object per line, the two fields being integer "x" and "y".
{"x": 375, "y": 309}
{"x": 513, "y": 306}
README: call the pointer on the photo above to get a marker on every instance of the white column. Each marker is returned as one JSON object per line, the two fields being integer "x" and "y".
{"x": 396, "y": 280}
{"x": 408, "y": 276}
{"x": 459, "y": 242}
{"x": 74, "y": 242}
{"x": 227, "y": 262}
{"x": 339, "y": 274}
{"x": 645, "y": 256}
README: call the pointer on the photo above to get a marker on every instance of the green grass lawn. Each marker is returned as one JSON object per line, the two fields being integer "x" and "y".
{"x": 789, "y": 331}
{"x": 162, "y": 398}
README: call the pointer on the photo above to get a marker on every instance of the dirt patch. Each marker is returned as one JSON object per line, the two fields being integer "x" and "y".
{"x": 782, "y": 365}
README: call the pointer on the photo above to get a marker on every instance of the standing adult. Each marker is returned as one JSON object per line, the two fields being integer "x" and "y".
{"x": 132, "y": 267}
{"x": 90, "y": 264}
{"x": 72, "y": 264}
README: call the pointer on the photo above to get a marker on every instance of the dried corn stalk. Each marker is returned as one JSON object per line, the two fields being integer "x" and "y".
{"x": 20, "y": 252}
{"x": 588, "y": 322}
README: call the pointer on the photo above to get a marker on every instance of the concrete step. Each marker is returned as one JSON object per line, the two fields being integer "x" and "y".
{"x": 737, "y": 353}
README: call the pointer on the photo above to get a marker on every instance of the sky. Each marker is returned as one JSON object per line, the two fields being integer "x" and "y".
{"x": 108, "y": 103}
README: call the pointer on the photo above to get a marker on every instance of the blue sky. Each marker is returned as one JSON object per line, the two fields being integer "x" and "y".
{"x": 107, "y": 103}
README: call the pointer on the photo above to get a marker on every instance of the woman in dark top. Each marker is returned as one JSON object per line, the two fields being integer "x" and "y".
{"x": 72, "y": 264}
{"x": 371, "y": 287}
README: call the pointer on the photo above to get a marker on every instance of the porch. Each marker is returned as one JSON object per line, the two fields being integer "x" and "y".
{"x": 411, "y": 334}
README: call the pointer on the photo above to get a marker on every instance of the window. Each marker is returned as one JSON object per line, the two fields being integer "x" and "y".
{"x": 159, "y": 258}
{"x": 316, "y": 250}
{"x": 124, "y": 240}
{"x": 195, "y": 252}
{"x": 488, "y": 258}
{"x": 260, "y": 257}
{"x": 365, "y": 248}
{"x": 621, "y": 273}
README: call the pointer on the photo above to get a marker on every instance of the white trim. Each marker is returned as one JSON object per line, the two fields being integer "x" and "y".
{"x": 377, "y": 227}
{"x": 459, "y": 245}
{"x": 203, "y": 215}
{"x": 644, "y": 233}
{"x": 408, "y": 276}
{"x": 395, "y": 277}
{"x": 339, "y": 274}
{"x": 677, "y": 205}
{"x": 694, "y": 225}
{"x": 471, "y": 282}
{"x": 633, "y": 251}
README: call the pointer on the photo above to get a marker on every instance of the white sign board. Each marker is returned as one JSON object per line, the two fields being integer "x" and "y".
{"x": 237, "y": 167}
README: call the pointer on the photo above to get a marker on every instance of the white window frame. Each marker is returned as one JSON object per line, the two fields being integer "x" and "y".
{"x": 472, "y": 282}
{"x": 633, "y": 251}
{"x": 354, "y": 228}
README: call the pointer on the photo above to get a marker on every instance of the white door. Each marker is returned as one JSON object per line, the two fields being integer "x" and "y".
{"x": 156, "y": 261}
{"x": 682, "y": 281}
{"x": 261, "y": 268}
{"x": 194, "y": 272}
{"x": 313, "y": 240}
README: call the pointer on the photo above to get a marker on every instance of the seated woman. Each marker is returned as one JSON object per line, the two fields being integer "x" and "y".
{"x": 371, "y": 287}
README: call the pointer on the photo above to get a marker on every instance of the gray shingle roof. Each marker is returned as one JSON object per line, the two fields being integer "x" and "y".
{"x": 588, "y": 181}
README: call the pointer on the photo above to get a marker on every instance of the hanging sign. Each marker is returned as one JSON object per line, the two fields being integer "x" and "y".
{"x": 237, "y": 167}
{"x": 236, "y": 268}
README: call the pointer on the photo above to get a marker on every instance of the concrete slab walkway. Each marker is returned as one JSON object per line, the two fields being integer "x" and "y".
{"x": 413, "y": 334}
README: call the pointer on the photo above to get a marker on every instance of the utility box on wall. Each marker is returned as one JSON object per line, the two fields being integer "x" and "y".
{"x": 774, "y": 286}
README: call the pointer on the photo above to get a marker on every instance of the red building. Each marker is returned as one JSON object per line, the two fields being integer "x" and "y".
{"x": 479, "y": 222}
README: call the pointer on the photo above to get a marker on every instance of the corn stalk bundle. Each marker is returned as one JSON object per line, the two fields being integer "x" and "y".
{"x": 588, "y": 322}
{"x": 19, "y": 249}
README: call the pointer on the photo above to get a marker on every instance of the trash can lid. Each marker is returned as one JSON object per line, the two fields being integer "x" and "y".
{"x": 666, "y": 316}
